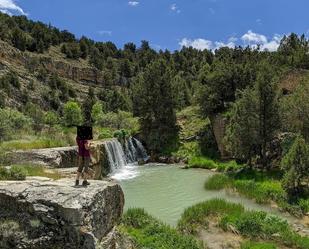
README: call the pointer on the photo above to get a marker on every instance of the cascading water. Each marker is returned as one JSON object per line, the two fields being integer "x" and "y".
{"x": 115, "y": 154}
{"x": 123, "y": 159}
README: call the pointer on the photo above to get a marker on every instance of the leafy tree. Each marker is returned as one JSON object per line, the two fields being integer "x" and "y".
{"x": 156, "y": 109}
{"x": 51, "y": 118}
{"x": 72, "y": 114}
{"x": 296, "y": 168}
{"x": 97, "y": 112}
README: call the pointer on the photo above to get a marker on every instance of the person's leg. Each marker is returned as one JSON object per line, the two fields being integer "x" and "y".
{"x": 86, "y": 168}
{"x": 79, "y": 170}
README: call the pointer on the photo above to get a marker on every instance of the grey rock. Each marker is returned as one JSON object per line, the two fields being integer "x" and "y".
{"x": 62, "y": 157}
{"x": 55, "y": 214}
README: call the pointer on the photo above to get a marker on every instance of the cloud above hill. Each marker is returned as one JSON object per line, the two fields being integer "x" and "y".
{"x": 248, "y": 39}
{"x": 10, "y": 7}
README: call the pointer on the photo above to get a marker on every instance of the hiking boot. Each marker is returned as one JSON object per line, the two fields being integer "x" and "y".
{"x": 76, "y": 182}
{"x": 86, "y": 183}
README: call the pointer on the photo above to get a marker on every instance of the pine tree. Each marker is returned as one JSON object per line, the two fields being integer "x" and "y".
{"x": 296, "y": 168}
{"x": 156, "y": 108}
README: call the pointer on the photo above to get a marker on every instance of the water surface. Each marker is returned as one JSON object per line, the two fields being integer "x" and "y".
{"x": 165, "y": 191}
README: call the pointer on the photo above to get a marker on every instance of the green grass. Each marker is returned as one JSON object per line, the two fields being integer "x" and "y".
{"x": 217, "y": 182}
{"x": 207, "y": 163}
{"x": 19, "y": 172}
{"x": 257, "y": 245}
{"x": 12, "y": 174}
{"x": 249, "y": 224}
{"x": 202, "y": 162}
{"x": 148, "y": 232}
{"x": 261, "y": 186}
{"x": 32, "y": 144}
{"x": 197, "y": 215}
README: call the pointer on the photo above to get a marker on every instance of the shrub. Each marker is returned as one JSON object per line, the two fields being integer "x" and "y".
{"x": 105, "y": 133}
{"x": 72, "y": 114}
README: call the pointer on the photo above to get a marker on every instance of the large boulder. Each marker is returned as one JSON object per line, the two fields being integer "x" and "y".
{"x": 55, "y": 214}
{"x": 62, "y": 157}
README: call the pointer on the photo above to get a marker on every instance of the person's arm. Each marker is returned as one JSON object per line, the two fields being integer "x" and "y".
{"x": 87, "y": 145}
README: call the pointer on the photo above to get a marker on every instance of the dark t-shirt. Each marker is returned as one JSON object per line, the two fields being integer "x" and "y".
{"x": 82, "y": 151}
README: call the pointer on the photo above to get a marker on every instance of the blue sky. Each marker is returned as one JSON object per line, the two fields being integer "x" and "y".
{"x": 172, "y": 23}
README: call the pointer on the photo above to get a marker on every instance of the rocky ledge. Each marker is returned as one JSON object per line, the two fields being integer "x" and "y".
{"x": 55, "y": 214}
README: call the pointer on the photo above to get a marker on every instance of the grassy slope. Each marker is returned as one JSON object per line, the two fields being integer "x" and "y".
{"x": 250, "y": 224}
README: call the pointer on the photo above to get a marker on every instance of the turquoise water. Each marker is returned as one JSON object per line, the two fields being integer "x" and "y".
{"x": 165, "y": 191}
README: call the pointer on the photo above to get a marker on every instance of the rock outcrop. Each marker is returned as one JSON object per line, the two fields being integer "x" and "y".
{"x": 54, "y": 214}
{"x": 62, "y": 157}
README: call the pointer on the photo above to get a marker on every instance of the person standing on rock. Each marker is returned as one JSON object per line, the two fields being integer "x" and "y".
{"x": 83, "y": 160}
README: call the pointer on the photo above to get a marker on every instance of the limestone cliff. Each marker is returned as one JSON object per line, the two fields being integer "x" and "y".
{"x": 54, "y": 215}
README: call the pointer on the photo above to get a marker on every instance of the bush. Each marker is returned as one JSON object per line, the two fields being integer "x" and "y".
{"x": 105, "y": 133}
{"x": 72, "y": 114}
{"x": 147, "y": 232}
{"x": 11, "y": 121}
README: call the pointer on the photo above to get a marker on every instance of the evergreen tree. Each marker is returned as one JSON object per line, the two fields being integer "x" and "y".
{"x": 156, "y": 108}
{"x": 87, "y": 106}
{"x": 254, "y": 119}
{"x": 296, "y": 168}
{"x": 242, "y": 133}
{"x": 268, "y": 108}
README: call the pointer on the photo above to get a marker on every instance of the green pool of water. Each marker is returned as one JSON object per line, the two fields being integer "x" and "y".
{"x": 165, "y": 191}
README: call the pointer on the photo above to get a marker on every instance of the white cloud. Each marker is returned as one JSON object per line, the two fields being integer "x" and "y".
{"x": 105, "y": 32}
{"x": 133, "y": 3}
{"x": 203, "y": 44}
{"x": 249, "y": 39}
{"x": 200, "y": 43}
{"x": 9, "y": 6}
{"x": 175, "y": 8}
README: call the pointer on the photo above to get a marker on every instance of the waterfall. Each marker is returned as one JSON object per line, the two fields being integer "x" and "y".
{"x": 120, "y": 156}
{"x": 115, "y": 154}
